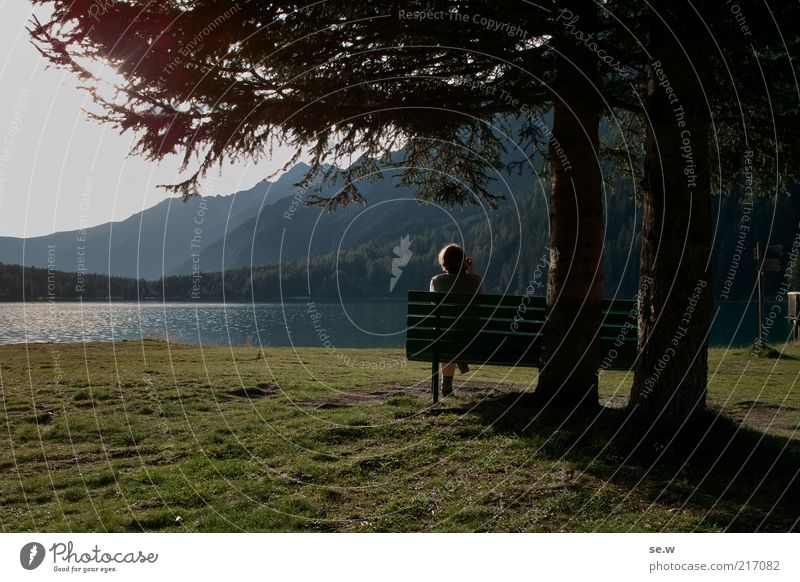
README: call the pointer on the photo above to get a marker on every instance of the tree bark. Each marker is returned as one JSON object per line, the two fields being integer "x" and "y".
{"x": 675, "y": 298}
{"x": 568, "y": 375}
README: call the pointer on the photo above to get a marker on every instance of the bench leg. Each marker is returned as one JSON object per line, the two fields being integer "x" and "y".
{"x": 435, "y": 380}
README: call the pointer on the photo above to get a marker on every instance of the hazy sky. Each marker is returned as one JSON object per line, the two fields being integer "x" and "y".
{"x": 57, "y": 168}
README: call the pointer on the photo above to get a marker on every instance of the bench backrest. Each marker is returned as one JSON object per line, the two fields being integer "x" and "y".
{"x": 504, "y": 329}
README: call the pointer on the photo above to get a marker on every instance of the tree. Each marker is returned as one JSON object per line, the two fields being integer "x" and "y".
{"x": 575, "y": 280}
{"x": 674, "y": 295}
{"x": 364, "y": 79}
{"x": 713, "y": 81}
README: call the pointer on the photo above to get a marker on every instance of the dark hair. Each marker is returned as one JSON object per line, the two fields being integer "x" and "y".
{"x": 451, "y": 258}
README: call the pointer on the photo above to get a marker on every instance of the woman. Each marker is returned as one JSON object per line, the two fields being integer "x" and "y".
{"x": 458, "y": 277}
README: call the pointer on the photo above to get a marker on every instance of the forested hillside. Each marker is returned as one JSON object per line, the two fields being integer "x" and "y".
{"x": 349, "y": 253}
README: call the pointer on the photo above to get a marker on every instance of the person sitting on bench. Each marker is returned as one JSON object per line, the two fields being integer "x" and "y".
{"x": 458, "y": 277}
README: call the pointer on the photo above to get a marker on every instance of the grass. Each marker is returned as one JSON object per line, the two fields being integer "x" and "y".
{"x": 129, "y": 436}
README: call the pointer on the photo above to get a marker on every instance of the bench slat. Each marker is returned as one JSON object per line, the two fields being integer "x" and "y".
{"x": 474, "y": 299}
{"x": 472, "y": 324}
{"x": 488, "y": 339}
{"x": 504, "y": 313}
{"x": 414, "y": 322}
{"x": 486, "y": 311}
{"x": 510, "y": 301}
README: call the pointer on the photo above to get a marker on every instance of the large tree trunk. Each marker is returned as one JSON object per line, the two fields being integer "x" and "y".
{"x": 568, "y": 376}
{"x": 675, "y": 298}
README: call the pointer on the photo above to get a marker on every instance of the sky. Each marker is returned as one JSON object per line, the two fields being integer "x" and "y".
{"x": 59, "y": 170}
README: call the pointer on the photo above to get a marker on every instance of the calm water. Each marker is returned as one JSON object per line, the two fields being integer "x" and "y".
{"x": 299, "y": 323}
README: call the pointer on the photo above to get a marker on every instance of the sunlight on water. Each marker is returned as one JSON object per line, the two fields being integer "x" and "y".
{"x": 366, "y": 324}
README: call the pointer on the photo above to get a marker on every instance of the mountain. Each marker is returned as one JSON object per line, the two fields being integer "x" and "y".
{"x": 347, "y": 251}
{"x": 153, "y": 242}
{"x": 266, "y": 243}
{"x": 287, "y": 230}
{"x": 259, "y": 226}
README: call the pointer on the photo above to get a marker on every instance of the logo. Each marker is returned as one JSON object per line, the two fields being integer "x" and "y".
{"x": 31, "y": 555}
{"x": 402, "y": 256}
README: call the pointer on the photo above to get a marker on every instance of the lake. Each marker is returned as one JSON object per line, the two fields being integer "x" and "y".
{"x": 302, "y": 323}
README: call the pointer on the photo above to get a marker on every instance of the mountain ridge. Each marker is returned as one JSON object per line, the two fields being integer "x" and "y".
{"x": 149, "y": 243}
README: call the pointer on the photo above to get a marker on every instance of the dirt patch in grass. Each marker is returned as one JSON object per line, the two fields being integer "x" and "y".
{"x": 264, "y": 390}
{"x": 768, "y": 417}
{"x": 345, "y": 399}
{"x": 261, "y": 391}
{"x": 383, "y": 393}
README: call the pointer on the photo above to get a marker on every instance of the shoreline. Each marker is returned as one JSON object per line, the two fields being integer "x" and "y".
{"x": 189, "y": 301}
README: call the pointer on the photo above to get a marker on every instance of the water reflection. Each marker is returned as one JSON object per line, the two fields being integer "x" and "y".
{"x": 303, "y": 323}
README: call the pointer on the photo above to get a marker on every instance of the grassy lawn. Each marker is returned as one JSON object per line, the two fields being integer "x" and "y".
{"x": 128, "y": 436}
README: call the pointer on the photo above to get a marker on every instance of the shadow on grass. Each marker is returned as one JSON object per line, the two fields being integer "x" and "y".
{"x": 738, "y": 478}
{"x": 770, "y": 353}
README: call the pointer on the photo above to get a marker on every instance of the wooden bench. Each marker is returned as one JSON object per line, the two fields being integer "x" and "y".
{"x": 502, "y": 330}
